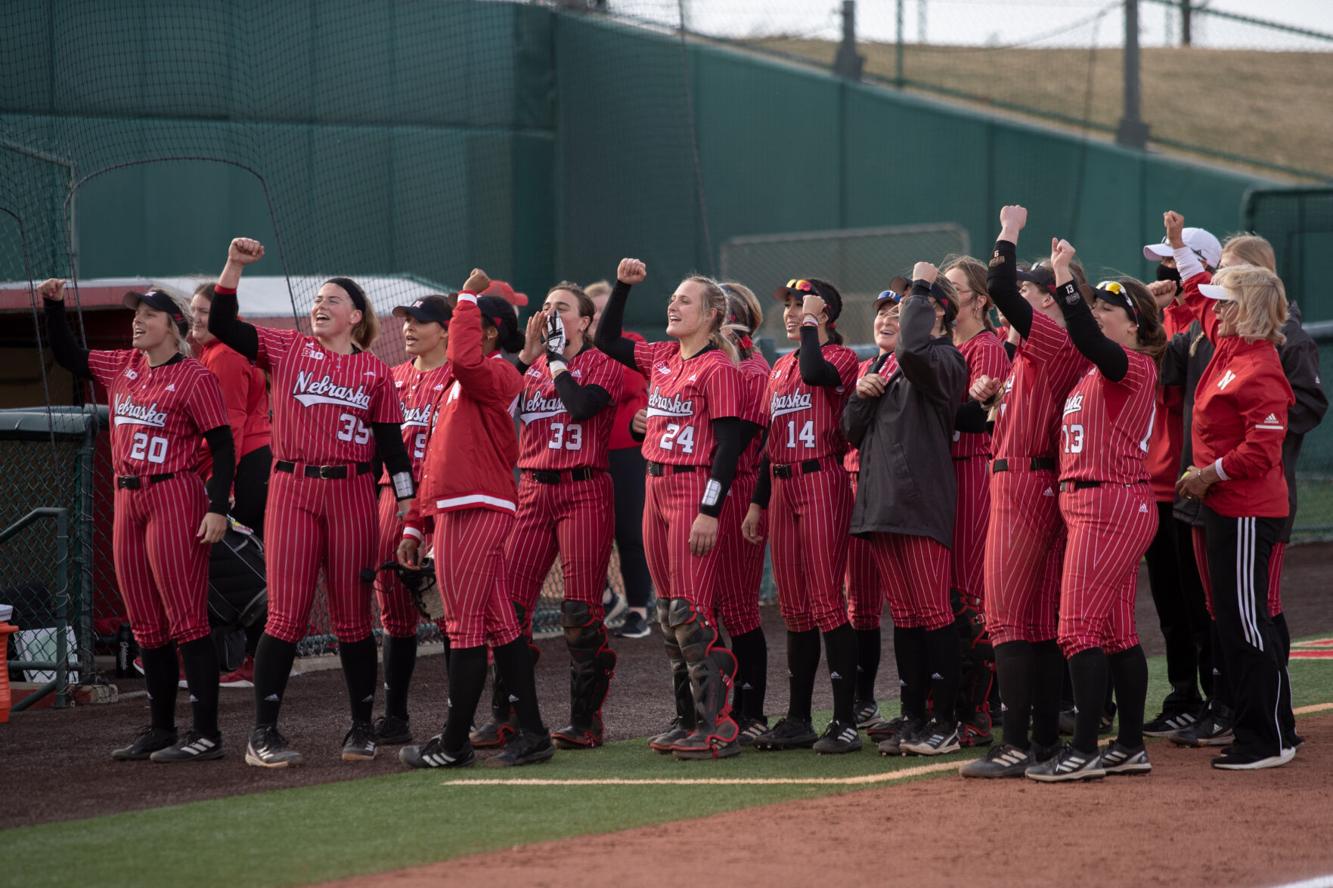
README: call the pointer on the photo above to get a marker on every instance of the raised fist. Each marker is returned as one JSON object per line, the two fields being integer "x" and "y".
{"x": 924, "y": 271}
{"x": 476, "y": 282}
{"x": 631, "y": 271}
{"x": 1013, "y": 217}
{"x": 812, "y": 305}
{"x": 1174, "y": 223}
{"x": 1062, "y": 253}
{"x": 52, "y": 289}
{"x": 1162, "y": 292}
{"x": 245, "y": 251}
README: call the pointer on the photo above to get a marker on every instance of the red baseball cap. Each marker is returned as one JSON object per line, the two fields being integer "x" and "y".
{"x": 507, "y": 293}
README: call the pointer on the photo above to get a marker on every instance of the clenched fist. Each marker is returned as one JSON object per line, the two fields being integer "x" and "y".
{"x": 1013, "y": 219}
{"x": 476, "y": 282}
{"x": 52, "y": 289}
{"x": 925, "y": 271}
{"x": 1174, "y": 223}
{"x": 245, "y": 251}
{"x": 631, "y": 271}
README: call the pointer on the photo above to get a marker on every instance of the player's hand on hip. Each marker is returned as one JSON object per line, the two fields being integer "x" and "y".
{"x": 631, "y": 271}
{"x": 871, "y": 385}
{"x": 703, "y": 535}
{"x": 212, "y": 528}
{"x": 752, "y": 527}
{"x": 245, "y": 251}
{"x": 476, "y": 282}
{"x": 52, "y": 289}
{"x": 409, "y": 554}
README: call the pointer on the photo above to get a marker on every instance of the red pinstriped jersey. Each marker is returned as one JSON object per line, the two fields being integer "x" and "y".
{"x": 158, "y": 414}
{"x": 1045, "y": 368}
{"x": 551, "y": 438}
{"x": 684, "y": 397}
{"x": 420, "y": 394}
{"x": 754, "y": 374}
{"x": 852, "y": 461}
{"x": 324, "y": 403}
{"x": 1106, "y": 425}
{"x": 805, "y": 421}
{"x": 985, "y": 356}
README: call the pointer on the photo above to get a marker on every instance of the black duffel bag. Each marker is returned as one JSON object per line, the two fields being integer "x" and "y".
{"x": 237, "y": 590}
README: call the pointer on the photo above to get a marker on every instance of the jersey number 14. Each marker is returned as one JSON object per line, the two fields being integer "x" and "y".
{"x": 806, "y": 435}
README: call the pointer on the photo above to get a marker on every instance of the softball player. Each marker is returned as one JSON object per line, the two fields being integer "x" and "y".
{"x": 985, "y": 356}
{"x": 696, "y": 433}
{"x": 467, "y": 487}
{"x": 807, "y": 390}
{"x": 1025, "y": 538}
{"x": 1110, "y": 513}
{"x": 162, "y": 402}
{"x": 334, "y": 413}
{"x": 421, "y": 383}
{"x": 865, "y": 593}
{"x": 567, "y": 407}
{"x": 905, "y": 501}
{"x": 742, "y": 559}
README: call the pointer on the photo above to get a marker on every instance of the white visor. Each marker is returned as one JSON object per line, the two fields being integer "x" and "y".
{"x": 1213, "y": 291}
{"x": 1157, "y": 252}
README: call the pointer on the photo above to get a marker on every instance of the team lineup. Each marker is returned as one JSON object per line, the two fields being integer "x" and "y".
{"x": 995, "y": 474}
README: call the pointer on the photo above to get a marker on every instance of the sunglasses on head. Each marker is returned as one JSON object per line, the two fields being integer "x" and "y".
{"x": 889, "y": 296}
{"x": 1116, "y": 292}
{"x": 801, "y": 285}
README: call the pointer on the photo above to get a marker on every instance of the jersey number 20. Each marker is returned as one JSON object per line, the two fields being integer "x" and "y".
{"x": 153, "y": 449}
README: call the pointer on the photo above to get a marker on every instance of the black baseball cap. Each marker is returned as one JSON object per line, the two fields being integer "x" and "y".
{"x": 158, "y": 300}
{"x": 427, "y": 310}
{"x": 802, "y": 287}
{"x": 1041, "y": 275}
{"x": 1117, "y": 294}
{"x": 500, "y": 315}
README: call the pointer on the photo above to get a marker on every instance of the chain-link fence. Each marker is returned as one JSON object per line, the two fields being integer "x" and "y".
{"x": 860, "y": 262}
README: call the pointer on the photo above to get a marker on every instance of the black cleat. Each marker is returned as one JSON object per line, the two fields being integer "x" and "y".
{"x": 998, "y": 762}
{"x": 839, "y": 737}
{"x": 527, "y": 748}
{"x": 359, "y": 745}
{"x": 268, "y": 749}
{"x": 392, "y": 731}
{"x": 433, "y": 755}
{"x": 1068, "y": 765}
{"x": 193, "y": 747}
{"x": 788, "y": 733}
{"x": 148, "y": 741}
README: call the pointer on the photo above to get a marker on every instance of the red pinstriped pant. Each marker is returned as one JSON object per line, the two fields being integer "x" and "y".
{"x": 398, "y": 613}
{"x": 161, "y": 566}
{"x": 574, "y": 518}
{"x": 968, "y": 555}
{"x": 671, "y": 503}
{"x": 314, "y": 523}
{"x": 865, "y": 591}
{"x": 1110, "y": 527}
{"x": 470, "y": 568}
{"x": 915, "y": 574}
{"x": 809, "y": 518}
{"x": 742, "y": 569}
{"x": 1275, "y": 561}
{"x": 1025, "y": 548}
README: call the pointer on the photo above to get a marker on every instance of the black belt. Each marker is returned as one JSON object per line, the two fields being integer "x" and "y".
{"x": 657, "y": 469}
{"x": 1035, "y": 464}
{"x": 551, "y": 476}
{"x": 311, "y": 471}
{"x": 134, "y": 482}
{"x": 1078, "y": 485}
{"x": 804, "y": 467}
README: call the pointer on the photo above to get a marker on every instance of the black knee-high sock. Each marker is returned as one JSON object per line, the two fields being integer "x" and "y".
{"x": 515, "y": 665}
{"x": 201, "y": 671}
{"x": 840, "y": 654}
{"x": 400, "y": 659}
{"x": 273, "y": 666}
{"x": 467, "y": 677}
{"x": 751, "y": 650}
{"x": 945, "y": 670}
{"x": 359, "y": 667}
{"x": 1048, "y": 677}
{"x": 868, "y": 647}
{"x": 1286, "y": 717}
{"x": 802, "y": 663}
{"x": 1088, "y": 672}
{"x": 252, "y": 636}
{"x": 447, "y": 652}
{"x": 1013, "y": 668}
{"x": 160, "y": 675}
{"x": 1129, "y": 674}
{"x": 909, "y": 653}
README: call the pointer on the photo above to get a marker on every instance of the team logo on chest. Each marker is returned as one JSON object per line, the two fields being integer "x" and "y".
{"x": 1226, "y": 380}
{"x": 781, "y": 405}
{"x": 417, "y": 416}
{"x": 310, "y": 391}
{"x": 130, "y": 413}
{"x": 1074, "y": 404}
{"x": 536, "y": 407}
{"x": 660, "y": 405}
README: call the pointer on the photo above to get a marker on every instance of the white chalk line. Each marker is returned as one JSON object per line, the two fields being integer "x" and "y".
{"x": 1312, "y": 709}
{"x": 859, "y": 780}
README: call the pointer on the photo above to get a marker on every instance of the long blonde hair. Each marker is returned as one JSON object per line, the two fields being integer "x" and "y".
{"x": 744, "y": 312}
{"x": 1261, "y": 302}
{"x": 975, "y": 272}
{"x": 715, "y": 300}
{"x": 1251, "y": 249}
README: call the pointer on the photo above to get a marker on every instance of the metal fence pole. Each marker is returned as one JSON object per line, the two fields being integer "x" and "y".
{"x": 898, "y": 49}
{"x": 1132, "y": 132}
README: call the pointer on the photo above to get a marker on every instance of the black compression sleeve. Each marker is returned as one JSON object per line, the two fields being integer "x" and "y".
{"x": 224, "y": 322}
{"x": 1002, "y": 283}
{"x": 732, "y": 436}
{"x": 68, "y": 353}
{"x": 1087, "y": 337}
{"x": 763, "y": 488}
{"x": 971, "y": 417}
{"x": 815, "y": 369}
{"x": 609, "y": 336}
{"x": 582, "y": 401}
{"x": 390, "y": 451}
{"x": 1010, "y": 349}
{"x": 223, "y": 451}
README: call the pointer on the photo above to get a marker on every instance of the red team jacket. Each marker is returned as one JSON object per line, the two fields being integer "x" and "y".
{"x": 245, "y": 392}
{"x": 1168, "y": 431}
{"x": 471, "y": 456}
{"x": 633, "y": 398}
{"x": 1240, "y": 418}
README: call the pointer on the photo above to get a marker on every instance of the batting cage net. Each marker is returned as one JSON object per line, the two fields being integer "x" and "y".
{"x": 403, "y": 142}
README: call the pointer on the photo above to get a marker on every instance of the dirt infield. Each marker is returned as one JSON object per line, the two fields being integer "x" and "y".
{"x": 1184, "y": 824}
{"x": 55, "y": 765}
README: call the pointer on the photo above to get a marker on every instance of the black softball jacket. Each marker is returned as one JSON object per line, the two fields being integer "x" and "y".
{"x": 906, "y": 483}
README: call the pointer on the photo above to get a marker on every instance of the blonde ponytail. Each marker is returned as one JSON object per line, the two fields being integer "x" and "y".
{"x": 720, "y": 332}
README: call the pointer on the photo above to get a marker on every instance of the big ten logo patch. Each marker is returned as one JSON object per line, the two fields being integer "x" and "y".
{"x": 1314, "y": 649}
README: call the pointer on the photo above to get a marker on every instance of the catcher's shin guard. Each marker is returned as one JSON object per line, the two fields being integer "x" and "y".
{"x": 591, "y": 666}
{"x": 978, "y": 670}
{"x": 683, "y": 723}
{"x": 711, "y": 670}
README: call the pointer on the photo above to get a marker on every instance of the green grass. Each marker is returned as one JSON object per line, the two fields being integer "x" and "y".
{"x": 315, "y": 833}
